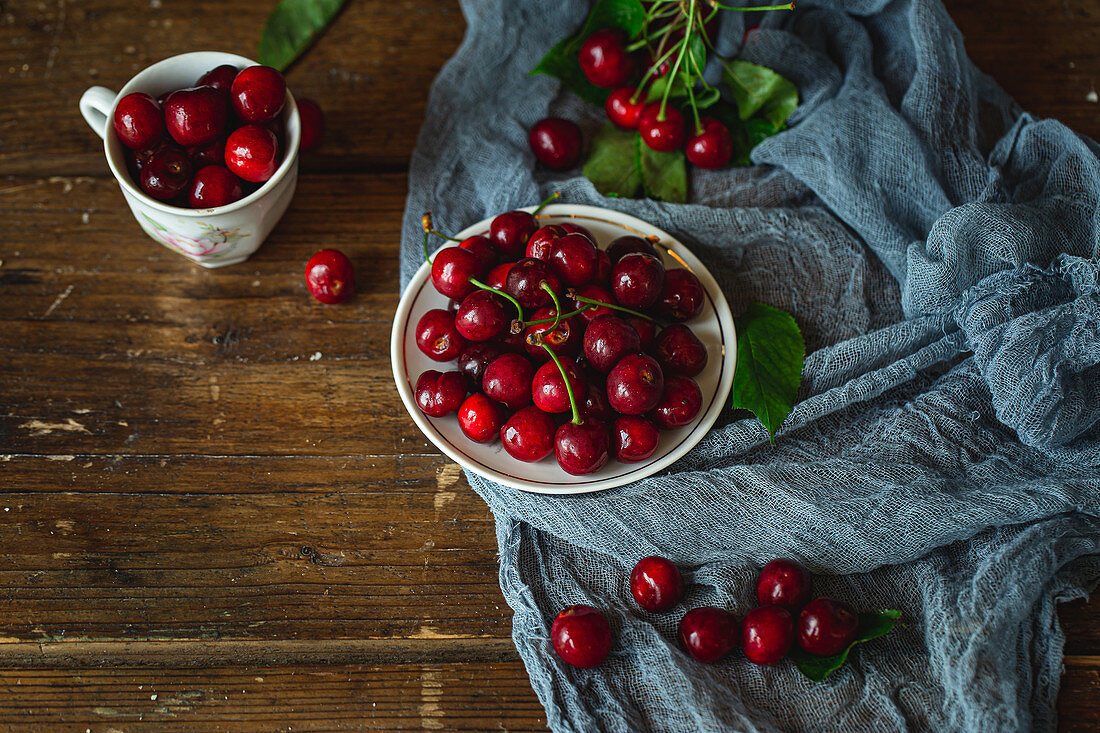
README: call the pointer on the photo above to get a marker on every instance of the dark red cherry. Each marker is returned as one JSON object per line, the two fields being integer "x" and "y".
{"x": 594, "y": 405}
{"x": 196, "y": 116}
{"x": 656, "y": 584}
{"x": 538, "y": 246}
{"x": 138, "y": 121}
{"x": 548, "y": 387}
{"x": 633, "y": 438}
{"x": 507, "y": 380}
{"x": 136, "y": 159}
{"x": 498, "y": 276}
{"x": 480, "y": 419}
{"x": 440, "y": 394}
{"x": 167, "y": 173}
{"x": 663, "y": 134}
{"x": 629, "y": 244}
{"x": 220, "y": 77}
{"x": 682, "y": 297}
{"x": 437, "y": 337}
{"x": 635, "y": 384}
{"x": 571, "y": 228}
{"x": 679, "y": 351}
{"x": 827, "y": 626}
{"x": 258, "y": 94}
{"x": 767, "y": 634}
{"x": 556, "y": 143}
{"x": 484, "y": 251}
{"x": 574, "y": 259}
{"x": 784, "y": 583}
{"x": 622, "y": 109}
{"x": 252, "y": 153}
{"x": 711, "y": 147}
{"x": 708, "y": 633}
{"x": 330, "y": 277}
{"x": 637, "y": 280}
{"x": 582, "y": 449}
{"x": 313, "y": 123}
{"x": 452, "y": 268}
{"x": 483, "y": 315}
{"x": 607, "y": 340}
{"x": 680, "y": 403}
{"x": 212, "y": 153}
{"x": 564, "y": 340}
{"x": 528, "y": 280}
{"x": 603, "y": 268}
{"x": 473, "y": 360}
{"x": 647, "y": 331}
{"x": 528, "y": 435}
{"x": 581, "y": 636}
{"x": 214, "y": 186}
{"x": 594, "y": 292}
{"x": 604, "y": 59}
{"x": 510, "y": 231}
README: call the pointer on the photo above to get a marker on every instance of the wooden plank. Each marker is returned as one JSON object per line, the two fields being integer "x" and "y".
{"x": 370, "y": 72}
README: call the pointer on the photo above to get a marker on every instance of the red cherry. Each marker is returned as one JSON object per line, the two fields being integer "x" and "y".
{"x": 540, "y": 243}
{"x": 679, "y": 351}
{"x": 680, "y": 403}
{"x": 656, "y": 584}
{"x": 767, "y": 634}
{"x": 826, "y": 626}
{"x": 507, "y": 380}
{"x": 510, "y": 231}
{"x": 633, "y": 438}
{"x": 528, "y": 435}
{"x": 313, "y": 123}
{"x": 211, "y": 153}
{"x": 214, "y": 186}
{"x": 481, "y": 248}
{"x": 635, "y": 384}
{"x": 682, "y": 296}
{"x": 574, "y": 259}
{"x": 452, "y": 268}
{"x": 196, "y": 116}
{"x": 258, "y": 94}
{"x": 712, "y": 147}
{"x": 138, "y": 121}
{"x": 621, "y": 108}
{"x": 556, "y": 143}
{"x": 252, "y": 153}
{"x": 167, "y": 173}
{"x": 581, "y": 449}
{"x": 581, "y": 636}
{"x": 604, "y": 59}
{"x": 440, "y": 394}
{"x": 548, "y": 388}
{"x": 480, "y": 418}
{"x": 437, "y": 337}
{"x": 708, "y": 633}
{"x": 220, "y": 78}
{"x": 330, "y": 276}
{"x": 482, "y": 316}
{"x": 662, "y": 135}
{"x": 784, "y": 583}
{"x": 498, "y": 276}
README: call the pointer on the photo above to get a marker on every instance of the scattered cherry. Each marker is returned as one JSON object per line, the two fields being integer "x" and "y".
{"x": 252, "y": 153}
{"x": 662, "y": 135}
{"x": 604, "y": 59}
{"x": 708, "y": 633}
{"x": 712, "y": 147}
{"x": 556, "y": 143}
{"x": 827, "y": 626}
{"x": 258, "y": 94}
{"x": 682, "y": 296}
{"x": 480, "y": 418}
{"x": 528, "y": 435}
{"x": 214, "y": 186}
{"x": 679, "y": 403}
{"x": 439, "y": 394}
{"x": 784, "y": 583}
{"x": 656, "y": 584}
{"x": 313, "y": 123}
{"x": 679, "y": 351}
{"x": 637, "y": 280}
{"x": 167, "y": 173}
{"x": 767, "y": 633}
{"x": 138, "y": 121}
{"x": 436, "y": 335}
{"x": 621, "y": 108}
{"x": 507, "y": 380}
{"x": 633, "y": 438}
{"x": 581, "y": 636}
{"x": 331, "y": 279}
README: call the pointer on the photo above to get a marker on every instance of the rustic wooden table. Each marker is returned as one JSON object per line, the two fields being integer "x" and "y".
{"x": 215, "y": 513}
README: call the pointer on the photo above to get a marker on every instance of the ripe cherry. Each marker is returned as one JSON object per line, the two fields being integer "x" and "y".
{"x": 548, "y": 387}
{"x": 482, "y": 316}
{"x": 437, "y": 337}
{"x": 510, "y": 231}
{"x": 581, "y": 636}
{"x": 607, "y": 340}
{"x": 784, "y": 583}
{"x": 826, "y": 626}
{"x": 473, "y": 360}
{"x": 623, "y": 110}
{"x": 480, "y": 419}
{"x": 214, "y": 186}
{"x": 647, "y": 332}
{"x": 582, "y": 448}
{"x": 507, "y": 380}
{"x": 767, "y": 634}
{"x": 258, "y": 94}
{"x": 682, "y": 296}
{"x": 711, "y": 147}
{"x": 211, "y": 153}
{"x": 635, "y": 384}
{"x": 656, "y": 584}
{"x": 556, "y": 143}
{"x": 604, "y": 59}
{"x": 538, "y": 246}
{"x": 679, "y": 404}
{"x": 564, "y": 339}
{"x": 528, "y": 435}
{"x": 252, "y": 153}
{"x": 530, "y": 282}
{"x": 572, "y": 228}
{"x": 138, "y": 121}
{"x": 220, "y": 78}
{"x": 663, "y": 134}
{"x": 498, "y": 276}
{"x": 603, "y": 268}
{"x": 574, "y": 259}
{"x": 595, "y": 405}
{"x": 629, "y": 244}
{"x": 313, "y": 123}
{"x": 452, "y": 269}
{"x": 167, "y": 173}
{"x": 196, "y": 116}
{"x": 633, "y": 438}
{"x": 440, "y": 394}
{"x": 481, "y": 248}
{"x": 331, "y": 279}
{"x": 637, "y": 280}
{"x": 593, "y": 292}
{"x": 679, "y": 351}
{"x": 708, "y": 633}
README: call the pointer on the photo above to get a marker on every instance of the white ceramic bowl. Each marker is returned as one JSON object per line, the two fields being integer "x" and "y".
{"x": 215, "y": 237}
{"x": 714, "y": 326}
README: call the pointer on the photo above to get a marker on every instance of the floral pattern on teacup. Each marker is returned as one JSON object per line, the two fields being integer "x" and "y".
{"x": 213, "y": 244}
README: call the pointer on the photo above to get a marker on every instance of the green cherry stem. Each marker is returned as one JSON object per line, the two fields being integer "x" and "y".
{"x": 426, "y": 225}
{"x": 557, "y": 304}
{"x": 788, "y": 6}
{"x": 567, "y": 316}
{"x": 427, "y": 257}
{"x": 549, "y": 200}
{"x": 577, "y": 419}
{"x": 478, "y": 284}
{"x": 590, "y": 301}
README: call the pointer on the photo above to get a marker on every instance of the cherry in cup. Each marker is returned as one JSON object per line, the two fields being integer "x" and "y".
{"x": 220, "y": 78}
{"x": 196, "y": 116}
{"x": 581, "y": 636}
{"x": 167, "y": 173}
{"x": 656, "y": 584}
{"x": 214, "y": 186}
{"x": 258, "y": 94}
{"x": 252, "y": 153}
{"x": 138, "y": 121}
{"x": 330, "y": 279}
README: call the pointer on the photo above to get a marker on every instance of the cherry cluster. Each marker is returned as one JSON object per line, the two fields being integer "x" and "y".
{"x": 213, "y": 143}
{"x": 581, "y": 634}
{"x": 557, "y": 343}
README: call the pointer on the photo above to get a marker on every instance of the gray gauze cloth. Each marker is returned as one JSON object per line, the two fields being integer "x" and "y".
{"x": 938, "y": 248}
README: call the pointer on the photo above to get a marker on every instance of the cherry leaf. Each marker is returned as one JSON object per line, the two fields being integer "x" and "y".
{"x": 760, "y": 92}
{"x": 292, "y": 28}
{"x": 664, "y": 175}
{"x": 770, "y": 354}
{"x": 611, "y": 166}
{"x": 872, "y": 625}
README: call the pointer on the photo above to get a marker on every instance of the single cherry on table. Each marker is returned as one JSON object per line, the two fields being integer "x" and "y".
{"x": 581, "y": 636}
{"x": 330, "y": 278}
{"x": 656, "y": 584}
{"x": 827, "y": 626}
{"x": 767, "y": 633}
{"x": 556, "y": 143}
{"x": 708, "y": 634}
{"x": 784, "y": 583}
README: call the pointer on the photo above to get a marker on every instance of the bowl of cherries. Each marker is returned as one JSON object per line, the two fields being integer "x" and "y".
{"x": 205, "y": 148}
{"x": 564, "y": 349}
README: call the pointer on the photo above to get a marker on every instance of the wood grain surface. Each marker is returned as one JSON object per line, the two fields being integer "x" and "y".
{"x": 216, "y": 514}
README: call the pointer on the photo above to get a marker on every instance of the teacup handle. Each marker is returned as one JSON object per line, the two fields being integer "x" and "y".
{"x": 95, "y": 105}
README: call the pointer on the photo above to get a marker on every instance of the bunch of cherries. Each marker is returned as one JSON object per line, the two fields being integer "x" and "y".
{"x": 581, "y": 634}
{"x": 557, "y": 345}
{"x": 213, "y": 143}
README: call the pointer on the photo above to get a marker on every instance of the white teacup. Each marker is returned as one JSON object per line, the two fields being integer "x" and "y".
{"x": 224, "y": 235}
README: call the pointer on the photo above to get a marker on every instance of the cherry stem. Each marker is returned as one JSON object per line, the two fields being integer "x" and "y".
{"x": 557, "y": 304}
{"x": 591, "y": 301}
{"x": 478, "y": 284}
{"x": 685, "y": 42}
{"x": 577, "y": 419}
{"x": 427, "y": 257}
{"x": 541, "y": 321}
{"x": 788, "y": 6}
{"x": 550, "y": 199}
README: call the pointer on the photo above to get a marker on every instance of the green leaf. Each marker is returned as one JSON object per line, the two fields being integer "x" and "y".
{"x": 871, "y": 626}
{"x": 761, "y": 92}
{"x": 664, "y": 175}
{"x": 770, "y": 353}
{"x": 561, "y": 61}
{"x": 292, "y": 28}
{"x": 611, "y": 166}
